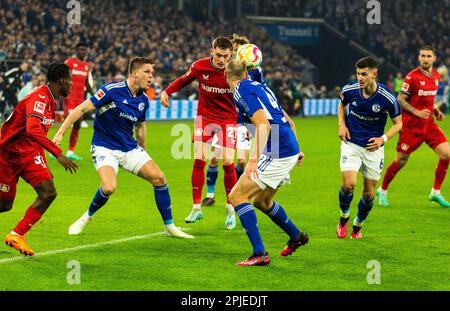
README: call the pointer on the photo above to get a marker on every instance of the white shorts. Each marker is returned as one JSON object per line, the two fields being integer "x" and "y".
{"x": 131, "y": 161}
{"x": 274, "y": 173}
{"x": 355, "y": 158}
{"x": 242, "y": 141}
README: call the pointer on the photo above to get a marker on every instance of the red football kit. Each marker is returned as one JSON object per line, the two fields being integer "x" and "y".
{"x": 80, "y": 72}
{"x": 23, "y": 140}
{"x": 216, "y": 113}
{"x": 421, "y": 88}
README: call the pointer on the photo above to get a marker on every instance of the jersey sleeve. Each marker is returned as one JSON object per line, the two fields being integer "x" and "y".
{"x": 184, "y": 80}
{"x": 408, "y": 85}
{"x": 392, "y": 105}
{"x": 101, "y": 97}
{"x": 249, "y": 99}
{"x": 345, "y": 94}
{"x": 35, "y": 117}
{"x": 144, "y": 112}
{"x": 257, "y": 75}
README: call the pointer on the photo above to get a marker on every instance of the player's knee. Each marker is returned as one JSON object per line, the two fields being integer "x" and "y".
{"x": 402, "y": 161}
{"x": 108, "y": 189}
{"x": 48, "y": 196}
{"x": 445, "y": 156}
{"x": 214, "y": 161}
{"x": 158, "y": 180}
{"x": 368, "y": 195}
{"x": 241, "y": 163}
{"x": 236, "y": 198}
{"x": 348, "y": 187}
{"x": 5, "y": 206}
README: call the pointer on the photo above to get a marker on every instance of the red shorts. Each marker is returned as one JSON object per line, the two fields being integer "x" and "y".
{"x": 204, "y": 130}
{"x": 409, "y": 142}
{"x": 32, "y": 168}
{"x": 71, "y": 104}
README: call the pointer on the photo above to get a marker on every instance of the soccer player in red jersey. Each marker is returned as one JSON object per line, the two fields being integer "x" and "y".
{"x": 417, "y": 100}
{"x": 22, "y": 143}
{"x": 80, "y": 73}
{"x": 216, "y": 115}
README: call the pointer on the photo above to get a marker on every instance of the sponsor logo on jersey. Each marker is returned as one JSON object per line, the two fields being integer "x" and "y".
{"x": 46, "y": 121}
{"x": 99, "y": 94}
{"x": 4, "y": 188}
{"x": 39, "y": 106}
{"x": 106, "y": 108}
{"x": 141, "y": 106}
{"x": 127, "y": 116}
{"x": 427, "y": 93}
{"x": 376, "y": 108}
{"x": 216, "y": 90}
{"x": 79, "y": 72}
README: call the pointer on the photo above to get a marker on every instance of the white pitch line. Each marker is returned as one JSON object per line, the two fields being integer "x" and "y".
{"x": 70, "y": 249}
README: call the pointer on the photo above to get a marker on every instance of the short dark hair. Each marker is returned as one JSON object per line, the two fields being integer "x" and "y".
{"x": 81, "y": 44}
{"x": 428, "y": 48}
{"x": 222, "y": 43}
{"x": 137, "y": 62}
{"x": 367, "y": 62}
{"x": 239, "y": 39}
{"x": 57, "y": 71}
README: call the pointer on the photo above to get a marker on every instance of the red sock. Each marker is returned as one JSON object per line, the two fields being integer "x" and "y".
{"x": 73, "y": 138}
{"x": 28, "y": 220}
{"x": 229, "y": 178}
{"x": 198, "y": 180}
{"x": 441, "y": 171}
{"x": 390, "y": 174}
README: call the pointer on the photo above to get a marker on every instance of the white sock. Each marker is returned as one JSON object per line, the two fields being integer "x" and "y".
{"x": 210, "y": 195}
{"x": 86, "y": 216}
{"x": 69, "y": 153}
{"x": 197, "y": 207}
{"x": 382, "y": 190}
{"x": 170, "y": 227}
{"x": 435, "y": 192}
{"x": 230, "y": 209}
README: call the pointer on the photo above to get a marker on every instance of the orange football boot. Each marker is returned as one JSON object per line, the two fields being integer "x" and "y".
{"x": 18, "y": 242}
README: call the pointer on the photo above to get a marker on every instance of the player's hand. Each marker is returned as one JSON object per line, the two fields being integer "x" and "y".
{"x": 375, "y": 143}
{"x": 424, "y": 114}
{"x": 344, "y": 134}
{"x": 67, "y": 164}
{"x": 57, "y": 139}
{"x": 165, "y": 99}
{"x": 251, "y": 170}
{"x": 439, "y": 115}
{"x": 301, "y": 156}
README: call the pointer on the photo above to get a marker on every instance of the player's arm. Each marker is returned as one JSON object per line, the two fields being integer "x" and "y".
{"x": 141, "y": 134}
{"x": 403, "y": 101}
{"x": 377, "y": 142}
{"x": 178, "y": 84}
{"x": 292, "y": 124}
{"x": 79, "y": 111}
{"x": 88, "y": 86}
{"x": 262, "y": 125}
{"x": 343, "y": 133}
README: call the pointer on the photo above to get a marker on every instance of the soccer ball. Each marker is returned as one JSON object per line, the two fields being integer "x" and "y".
{"x": 250, "y": 54}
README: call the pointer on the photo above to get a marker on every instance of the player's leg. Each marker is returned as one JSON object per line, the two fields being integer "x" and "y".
{"x": 9, "y": 176}
{"x": 242, "y": 149}
{"x": 197, "y": 180}
{"x": 265, "y": 203}
{"x": 240, "y": 197}
{"x": 229, "y": 181}
{"x": 72, "y": 104}
{"x": 151, "y": 172}
{"x": 364, "y": 207}
{"x": 211, "y": 176}
{"x": 399, "y": 162}
{"x": 443, "y": 152}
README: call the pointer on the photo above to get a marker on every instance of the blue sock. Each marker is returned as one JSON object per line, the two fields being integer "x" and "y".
{"x": 247, "y": 216}
{"x": 162, "y": 198}
{"x": 239, "y": 171}
{"x": 345, "y": 199}
{"x": 278, "y": 216}
{"x": 98, "y": 201}
{"x": 211, "y": 177}
{"x": 364, "y": 209}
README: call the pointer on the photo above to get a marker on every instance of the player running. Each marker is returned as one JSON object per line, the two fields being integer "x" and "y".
{"x": 119, "y": 108}
{"x": 22, "y": 144}
{"x": 242, "y": 135}
{"x": 80, "y": 73}
{"x": 363, "y": 139}
{"x": 417, "y": 100}
{"x": 275, "y": 154}
{"x": 216, "y": 116}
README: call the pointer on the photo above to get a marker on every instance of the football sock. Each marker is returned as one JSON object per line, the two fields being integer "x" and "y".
{"x": 345, "y": 199}
{"x": 229, "y": 209}
{"x": 390, "y": 174}
{"x": 162, "y": 198}
{"x": 364, "y": 208}
{"x": 198, "y": 180}
{"x": 73, "y": 138}
{"x": 229, "y": 178}
{"x": 249, "y": 222}
{"x": 100, "y": 199}
{"x": 441, "y": 172}
{"x": 211, "y": 177}
{"x": 279, "y": 216}
{"x": 31, "y": 217}
{"x": 239, "y": 171}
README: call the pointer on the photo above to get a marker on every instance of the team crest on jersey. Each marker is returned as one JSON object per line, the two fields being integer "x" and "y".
{"x": 141, "y": 106}
{"x": 404, "y": 147}
{"x": 39, "y": 106}
{"x": 376, "y": 108}
{"x": 99, "y": 94}
{"x": 4, "y": 188}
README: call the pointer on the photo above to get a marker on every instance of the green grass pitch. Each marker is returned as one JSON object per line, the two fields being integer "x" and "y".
{"x": 409, "y": 238}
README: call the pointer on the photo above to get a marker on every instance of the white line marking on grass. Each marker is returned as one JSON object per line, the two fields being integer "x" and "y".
{"x": 70, "y": 249}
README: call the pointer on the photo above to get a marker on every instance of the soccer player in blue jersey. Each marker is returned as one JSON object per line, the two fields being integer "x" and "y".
{"x": 120, "y": 107}
{"x": 361, "y": 130}
{"x": 242, "y": 136}
{"x": 274, "y": 155}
